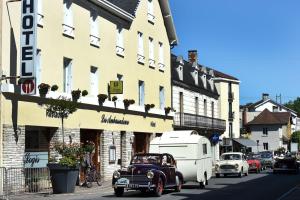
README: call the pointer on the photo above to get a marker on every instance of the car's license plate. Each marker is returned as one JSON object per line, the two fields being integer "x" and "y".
{"x": 133, "y": 185}
{"x": 123, "y": 181}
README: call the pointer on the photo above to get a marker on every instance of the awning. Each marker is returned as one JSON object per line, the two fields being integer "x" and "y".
{"x": 245, "y": 142}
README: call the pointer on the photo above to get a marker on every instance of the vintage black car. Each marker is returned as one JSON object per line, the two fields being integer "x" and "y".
{"x": 286, "y": 164}
{"x": 148, "y": 172}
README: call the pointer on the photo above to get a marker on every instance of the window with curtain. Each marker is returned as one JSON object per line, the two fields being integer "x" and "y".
{"x": 161, "y": 97}
{"x": 94, "y": 29}
{"x": 141, "y": 93}
{"x": 68, "y": 27}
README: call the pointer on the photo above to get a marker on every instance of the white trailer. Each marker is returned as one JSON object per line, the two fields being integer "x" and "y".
{"x": 191, "y": 151}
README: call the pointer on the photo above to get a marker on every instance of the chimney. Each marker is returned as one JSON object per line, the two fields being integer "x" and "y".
{"x": 265, "y": 96}
{"x": 193, "y": 56}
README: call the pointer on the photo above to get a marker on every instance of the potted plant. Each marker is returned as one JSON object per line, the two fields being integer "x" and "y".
{"x": 102, "y": 98}
{"x": 114, "y": 98}
{"x": 167, "y": 110}
{"x": 148, "y": 107}
{"x": 43, "y": 89}
{"x": 65, "y": 171}
{"x": 76, "y": 95}
{"x": 54, "y": 88}
{"x": 128, "y": 102}
{"x": 84, "y": 93}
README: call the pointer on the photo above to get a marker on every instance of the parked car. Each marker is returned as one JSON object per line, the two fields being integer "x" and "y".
{"x": 254, "y": 163}
{"x": 287, "y": 164}
{"x": 148, "y": 172}
{"x": 267, "y": 160}
{"x": 232, "y": 163}
{"x": 196, "y": 165}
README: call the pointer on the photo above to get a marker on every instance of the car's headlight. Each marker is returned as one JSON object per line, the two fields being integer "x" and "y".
{"x": 236, "y": 166}
{"x": 116, "y": 174}
{"x": 150, "y": 174}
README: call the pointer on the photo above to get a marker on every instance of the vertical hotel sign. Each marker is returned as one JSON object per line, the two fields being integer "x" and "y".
{"x": 28, "y": 46}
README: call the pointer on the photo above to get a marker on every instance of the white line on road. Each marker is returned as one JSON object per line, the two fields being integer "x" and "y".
{"x": 287, "y": 193}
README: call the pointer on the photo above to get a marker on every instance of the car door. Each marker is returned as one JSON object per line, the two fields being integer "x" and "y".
{"x": 165, "y": 168}
{"x": 172, "y": 169}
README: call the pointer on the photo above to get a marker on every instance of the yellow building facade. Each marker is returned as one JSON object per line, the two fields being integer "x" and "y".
{"x": 85, "y": 45}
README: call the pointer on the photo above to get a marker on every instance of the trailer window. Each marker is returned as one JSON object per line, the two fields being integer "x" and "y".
{"x": 204, "y": 146}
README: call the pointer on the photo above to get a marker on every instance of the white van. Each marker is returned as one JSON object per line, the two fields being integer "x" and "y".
{"x": 191, "y": 151}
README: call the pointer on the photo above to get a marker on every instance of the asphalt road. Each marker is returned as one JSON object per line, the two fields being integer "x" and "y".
{"x": 264, "y": 186}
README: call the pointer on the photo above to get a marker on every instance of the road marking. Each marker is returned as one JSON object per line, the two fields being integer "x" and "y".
{"x": 287, "y": 193}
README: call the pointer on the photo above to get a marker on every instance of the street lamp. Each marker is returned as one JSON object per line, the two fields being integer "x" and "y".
{"x": 257, "y": 142}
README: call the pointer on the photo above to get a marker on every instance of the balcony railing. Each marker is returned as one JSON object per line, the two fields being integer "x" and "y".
{"x": 198, "y": 121}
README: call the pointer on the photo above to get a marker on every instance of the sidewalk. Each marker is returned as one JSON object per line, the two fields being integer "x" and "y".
{"x": 79, "y": 192}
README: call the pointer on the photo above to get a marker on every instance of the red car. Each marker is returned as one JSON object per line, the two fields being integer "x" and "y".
{"x": 254, "y": 163}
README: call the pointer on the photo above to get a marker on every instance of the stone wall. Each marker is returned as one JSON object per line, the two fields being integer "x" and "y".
{"x": 13, "y": 146}
{"x": 126, "y": 140}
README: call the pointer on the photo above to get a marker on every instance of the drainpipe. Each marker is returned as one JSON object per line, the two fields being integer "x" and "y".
{"x": 1, "y": 110}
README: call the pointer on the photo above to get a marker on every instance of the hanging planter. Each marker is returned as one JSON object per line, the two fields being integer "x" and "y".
{"x": 167, "y": 110}
{"x": 102, "y": 98}
{"x": 54, "y": 88}
{"x": 128, "y": 102}
{"x": 76, "y": 95}
{"x": 148, "y": 107}
{"x": 43, "y": 89}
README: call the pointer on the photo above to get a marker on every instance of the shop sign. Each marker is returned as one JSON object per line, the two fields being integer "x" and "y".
{"x": 35, "y": 159}
{"x": 113, "y": 120}
{"x": 116, "y": 87}
{"x": 28, "y": 43}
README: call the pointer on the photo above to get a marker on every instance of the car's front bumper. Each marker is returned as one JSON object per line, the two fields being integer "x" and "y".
{"x": 227, "y": 171}
{"x": 133, "y": 186}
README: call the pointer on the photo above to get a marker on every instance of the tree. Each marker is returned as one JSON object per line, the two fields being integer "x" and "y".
{"x": 60, "y": 108}
{"x": 294, "y": 105}
{"x": 296, "y": 137}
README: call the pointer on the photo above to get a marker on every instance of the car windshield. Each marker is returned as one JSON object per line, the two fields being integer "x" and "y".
{"x": 266, "y": 155}
{"x": 146, "y": 159}
{"x": 231, "y": 157}
{"x": 254, "y": 157}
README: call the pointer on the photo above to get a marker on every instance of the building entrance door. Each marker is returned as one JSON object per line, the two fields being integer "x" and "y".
{"x": 93, "y": 136}
{"x": 141, "y": 142}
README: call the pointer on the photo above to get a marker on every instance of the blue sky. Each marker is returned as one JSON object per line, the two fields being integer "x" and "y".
{"x": 257, "y": 41}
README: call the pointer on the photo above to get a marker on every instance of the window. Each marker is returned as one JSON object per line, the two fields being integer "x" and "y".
{"x": 32, "y": 140}
{"x": 141, "y": 93}
{"x": 141, "y": 57}
{"x": 161, "y": 97}
{"x": 67, "y": 75}
{"x": 40, "y": 15}
{"x": 94, "y": 26}
{"x": 151, "y": 16}
{"x": 94, "y": 81}
{"x": 204, "y": 146}
{"x": 230, "y": 130}
{"x": 196, "y": 106}
{"x": 275, "y": 108}
{"x": 68, "y": 28}
{"x": 161, "y": 57}
{"x": 266, "y": 146}
{"x": 205, "y": 107}
{"x": 112, "y": 154}
{"x": 151, "y": 53}
{"x": 265, "y": 132}
{"x": 38, "y": 69}
{"x": 120, "y": 42}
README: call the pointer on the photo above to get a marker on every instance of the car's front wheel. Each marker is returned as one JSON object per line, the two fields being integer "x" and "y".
{"x": 178, "y": 184}
{"x": 159, "y": 188}
{"x": 119, "y": 192}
